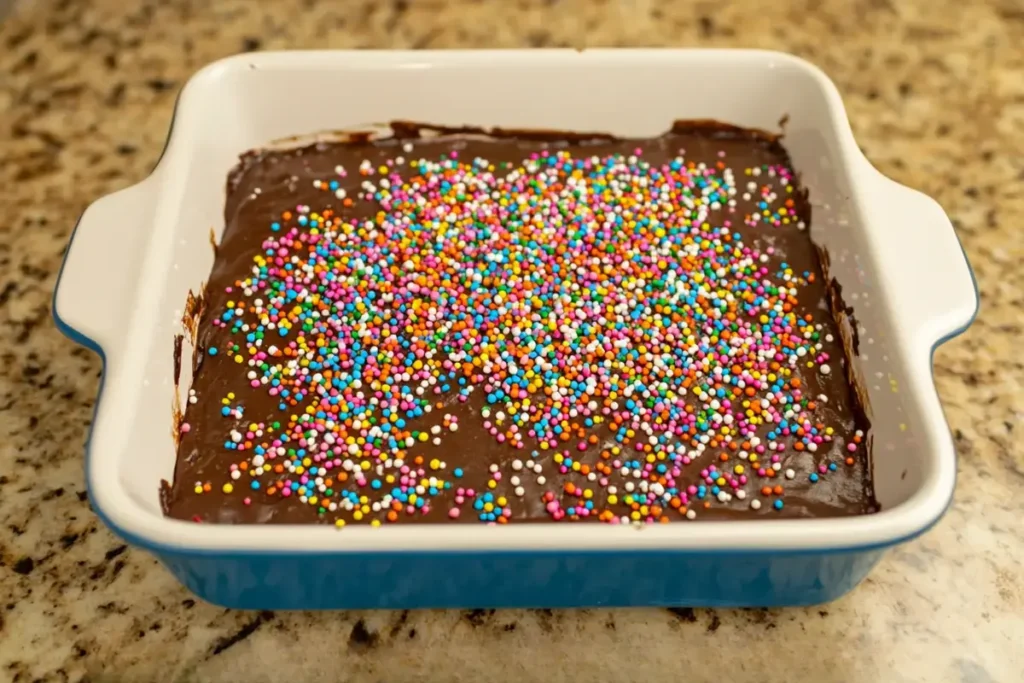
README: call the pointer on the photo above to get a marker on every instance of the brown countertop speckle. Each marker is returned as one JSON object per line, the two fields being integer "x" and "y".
{"x": 935, "y": 92}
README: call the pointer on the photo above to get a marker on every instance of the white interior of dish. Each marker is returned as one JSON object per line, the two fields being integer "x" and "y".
{"x": 249, "y": 101}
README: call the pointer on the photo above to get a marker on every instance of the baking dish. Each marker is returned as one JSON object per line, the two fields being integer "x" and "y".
{"x": 137, "y": 253}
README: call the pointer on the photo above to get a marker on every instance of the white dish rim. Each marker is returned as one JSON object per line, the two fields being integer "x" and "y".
{"x": 889, "y": 526}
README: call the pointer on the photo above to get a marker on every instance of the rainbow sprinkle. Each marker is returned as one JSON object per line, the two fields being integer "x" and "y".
{"x": 613, "y": 332}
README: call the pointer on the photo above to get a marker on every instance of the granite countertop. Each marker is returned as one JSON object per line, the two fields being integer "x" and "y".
{"x": 935, "y": 92}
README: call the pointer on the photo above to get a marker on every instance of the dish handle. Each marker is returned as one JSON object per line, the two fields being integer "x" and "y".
{"x": 94, "y": 293}
{"x": 935, "y": 295}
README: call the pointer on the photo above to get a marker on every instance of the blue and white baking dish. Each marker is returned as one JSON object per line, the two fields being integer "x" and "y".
{"x": 137, "y": 253}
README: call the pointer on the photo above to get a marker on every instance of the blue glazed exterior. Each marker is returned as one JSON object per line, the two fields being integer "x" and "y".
{"x": 520, "y": 579}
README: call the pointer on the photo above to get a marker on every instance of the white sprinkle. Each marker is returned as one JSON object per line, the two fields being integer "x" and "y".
{"x": 755, "y": 504}
{"x": 691, "y": 514}
{"x": 790, "y": 473}
{"x": 517, "y": 465}
{"x": 825, "y": 369}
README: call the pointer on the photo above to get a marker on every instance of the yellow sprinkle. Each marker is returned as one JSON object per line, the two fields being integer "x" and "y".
{"x": 199, "y": 489}
{"x": 339, "y": 523}
{"x": 227, "y": 488}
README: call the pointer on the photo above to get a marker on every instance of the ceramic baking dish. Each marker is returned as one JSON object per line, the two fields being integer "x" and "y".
{"x": 137, "y": 253}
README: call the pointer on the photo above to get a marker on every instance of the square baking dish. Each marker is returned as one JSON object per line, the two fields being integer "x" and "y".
{"x": 136, "y": 254}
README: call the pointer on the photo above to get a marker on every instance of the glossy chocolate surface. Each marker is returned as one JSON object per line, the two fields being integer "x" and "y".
{"x": 268, "y": 182}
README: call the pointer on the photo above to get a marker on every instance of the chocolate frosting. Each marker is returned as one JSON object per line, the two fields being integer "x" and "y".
{"x": 267, "y": 182}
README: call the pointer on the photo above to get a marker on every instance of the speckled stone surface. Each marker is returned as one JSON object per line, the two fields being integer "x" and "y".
{"x": 935, "y": 91}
